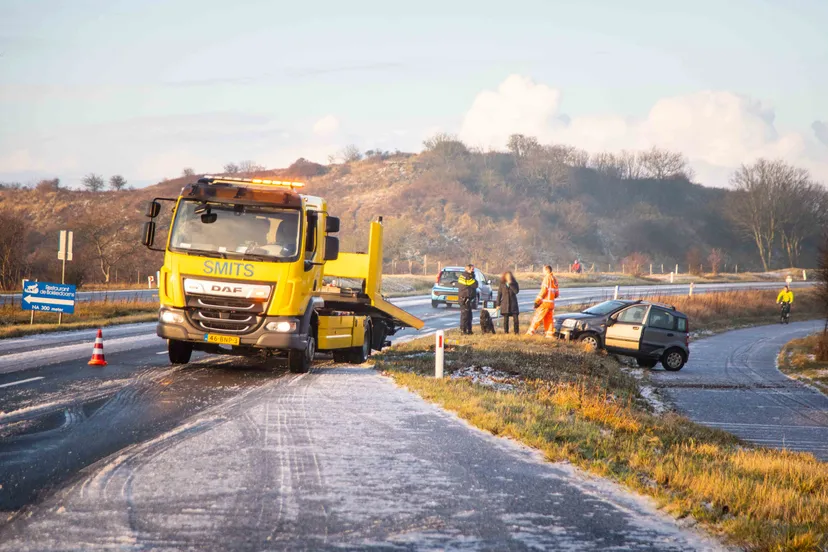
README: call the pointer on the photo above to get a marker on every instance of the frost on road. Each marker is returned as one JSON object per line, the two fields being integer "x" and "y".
{"x": 339, "y": 458}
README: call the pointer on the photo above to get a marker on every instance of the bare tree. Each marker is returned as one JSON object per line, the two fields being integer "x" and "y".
{"x": 607, "y": 164}
{"x": 631, "y": 166}
{"x": 636, "y": 263}
{"x": 521, "y": 146}
{"x": 716, "y": 258}
{"x": 109, "y": 239}
{"x": 248, "y": 167}
{"x": 350, "y": 153}
{"x": 14, "y": 230}
{"x": 660, "y": 164}
{"x": 803, "y": 212}
{"x": 231, "y": 168}
{"x": 759, "y": 204}
{"x": 188, "y": 172}
{"x": 93, "y": 182}
{"x": 117, "y": 182}
{"x": 445, "y": 147}
{"x": 822, "y": 294}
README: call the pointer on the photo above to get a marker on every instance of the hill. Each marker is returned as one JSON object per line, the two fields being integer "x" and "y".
{"x": 447, "y": 203}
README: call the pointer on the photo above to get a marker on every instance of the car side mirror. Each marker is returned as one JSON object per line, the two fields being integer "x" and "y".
{"x": 331, "y": 248}
{"x": 488, "y": 282}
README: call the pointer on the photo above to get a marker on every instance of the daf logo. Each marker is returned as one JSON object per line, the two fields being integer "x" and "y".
{"x": 226, "y": 289}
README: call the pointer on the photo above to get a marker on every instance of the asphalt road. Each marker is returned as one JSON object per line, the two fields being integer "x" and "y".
{"x": 731, "y": 383}
{"x": 67, "y": 429}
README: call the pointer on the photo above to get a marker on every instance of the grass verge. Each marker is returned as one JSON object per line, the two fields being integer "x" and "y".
{"x": 14, "y": 322}
{"x": 807, "y": 359}
{"x": 585, "y": 409}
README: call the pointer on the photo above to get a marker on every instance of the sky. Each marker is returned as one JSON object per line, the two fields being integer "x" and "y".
{"x": 145, "y": 89}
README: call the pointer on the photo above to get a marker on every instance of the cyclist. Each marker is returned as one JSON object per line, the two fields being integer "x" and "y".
{"x": 785, "y": 298}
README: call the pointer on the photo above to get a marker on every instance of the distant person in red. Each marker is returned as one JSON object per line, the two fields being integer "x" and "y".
{"x": 576, "y": 267}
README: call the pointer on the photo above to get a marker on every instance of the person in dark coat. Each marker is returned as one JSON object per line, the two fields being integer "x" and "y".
{"x": 507, "y": 300}
{"x": 467, "y": 291}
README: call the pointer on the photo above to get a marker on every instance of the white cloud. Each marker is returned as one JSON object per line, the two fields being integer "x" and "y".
{"x": 717, "y": 130}
{"x": 326, "y": 126}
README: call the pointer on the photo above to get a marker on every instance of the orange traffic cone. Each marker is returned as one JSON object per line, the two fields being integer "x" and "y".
{"x": 97, "y": 352}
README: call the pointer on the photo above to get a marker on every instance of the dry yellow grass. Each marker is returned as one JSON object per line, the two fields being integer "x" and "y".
{"x": 14, "y": 322}
{"x": 803, "y": 359}
{"x": 584, "y": 408}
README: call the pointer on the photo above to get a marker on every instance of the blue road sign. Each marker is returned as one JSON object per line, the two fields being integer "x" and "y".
{"x": 48, "y": 297}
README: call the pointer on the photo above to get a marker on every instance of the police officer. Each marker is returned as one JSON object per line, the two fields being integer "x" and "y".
{"x": 467, "y": 292}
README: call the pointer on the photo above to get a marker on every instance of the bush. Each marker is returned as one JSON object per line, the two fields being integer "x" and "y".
{"x": 636, "y": 263}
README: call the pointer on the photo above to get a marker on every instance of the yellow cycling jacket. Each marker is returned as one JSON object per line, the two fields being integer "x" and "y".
{"x": 785, "y": 296}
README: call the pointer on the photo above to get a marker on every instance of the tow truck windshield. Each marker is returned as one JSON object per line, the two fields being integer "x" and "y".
{"x": 236, "y": 231}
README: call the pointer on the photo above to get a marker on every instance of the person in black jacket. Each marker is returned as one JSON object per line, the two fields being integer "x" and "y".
{"x": 507, "y": 300}
{"x": 467, "y": 292}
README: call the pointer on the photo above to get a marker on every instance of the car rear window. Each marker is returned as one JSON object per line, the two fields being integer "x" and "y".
{"x": 682, "y": 324}
{"x": 661, "y": 319}
{"x": 449, "y": 278}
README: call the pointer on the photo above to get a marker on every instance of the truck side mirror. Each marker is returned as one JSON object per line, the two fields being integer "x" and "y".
{"x": 152, "y": 209}
{"x": 148, "y": 234}
{"x": 331, "y": 248}
{"x": 331, "y": 225}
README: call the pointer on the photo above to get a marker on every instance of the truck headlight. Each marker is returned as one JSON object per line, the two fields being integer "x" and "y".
{"x": 170, "y": 317}
{"x": 569, "y": 323}
{"x": 281, "y": 327}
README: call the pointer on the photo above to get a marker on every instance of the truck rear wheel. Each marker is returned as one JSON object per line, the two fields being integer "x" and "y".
{"x": 361, "y": 354}
{"x": 299, "y": 362}
{"x": 179, "y": 351}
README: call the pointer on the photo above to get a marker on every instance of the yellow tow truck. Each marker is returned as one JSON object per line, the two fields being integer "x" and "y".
{"x": 251, "y": 268}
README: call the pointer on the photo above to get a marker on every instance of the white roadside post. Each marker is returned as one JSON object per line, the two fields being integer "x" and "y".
{"x": 788, "y": 280}
{"x": 671, "y": 277}
{"x": 64, "y": 254}
{"x": 439, "y": 354}
{"x": 692, "y": 285}
{"x": 615, "y": 296}
{"x": 804, "y": 276}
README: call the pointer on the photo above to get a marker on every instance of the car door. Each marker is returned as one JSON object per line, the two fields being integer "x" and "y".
{"x": 659, "y": 331}
{"x": 628, "y": 327}
{"x": 484, "y": 288}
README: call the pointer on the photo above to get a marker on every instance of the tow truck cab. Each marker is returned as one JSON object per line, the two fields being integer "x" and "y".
{"x": 245, "y": 268}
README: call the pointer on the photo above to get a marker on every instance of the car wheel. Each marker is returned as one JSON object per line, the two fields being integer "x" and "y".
{"x": 434, "y": 304}
{"x": 179, "y": 351}
{"x": 646, "y": 362}
{"x": 673, "y": 359}
{"x": 590, "y": 341}
{"x": 299, "y": 361}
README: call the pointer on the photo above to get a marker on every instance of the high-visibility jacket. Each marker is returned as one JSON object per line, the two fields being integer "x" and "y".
{"x": 785, "y": 296}
{"x": 549, "y": 289}
{"x": 467, "y": 286}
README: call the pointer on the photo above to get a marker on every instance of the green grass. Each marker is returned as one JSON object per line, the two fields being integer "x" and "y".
{"x": 584, "y": 408}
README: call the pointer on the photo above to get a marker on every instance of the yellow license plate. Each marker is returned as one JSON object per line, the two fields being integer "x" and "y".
{"x": 222, "y": 339}
{"x": 451, "y": 298}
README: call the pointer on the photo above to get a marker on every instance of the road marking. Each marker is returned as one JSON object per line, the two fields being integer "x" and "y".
{"x": 21, "y": 381}
{"x": 161, "y": 353}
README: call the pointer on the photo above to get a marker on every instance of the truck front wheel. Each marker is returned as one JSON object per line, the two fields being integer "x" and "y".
{"x": 299, "y": 362}
{"x": 179, "y": 351}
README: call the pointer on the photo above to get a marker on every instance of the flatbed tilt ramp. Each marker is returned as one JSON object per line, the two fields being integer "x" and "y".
{"x": 367, "y": 299}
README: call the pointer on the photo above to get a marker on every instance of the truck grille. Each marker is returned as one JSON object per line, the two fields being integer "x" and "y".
{"x": 225, "y": 314}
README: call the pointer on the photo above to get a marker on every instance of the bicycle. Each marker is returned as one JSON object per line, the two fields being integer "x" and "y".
{"x": 785, "y": 313}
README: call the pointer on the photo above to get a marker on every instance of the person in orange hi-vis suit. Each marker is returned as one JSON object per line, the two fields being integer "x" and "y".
{"x": 545, "y": 305}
